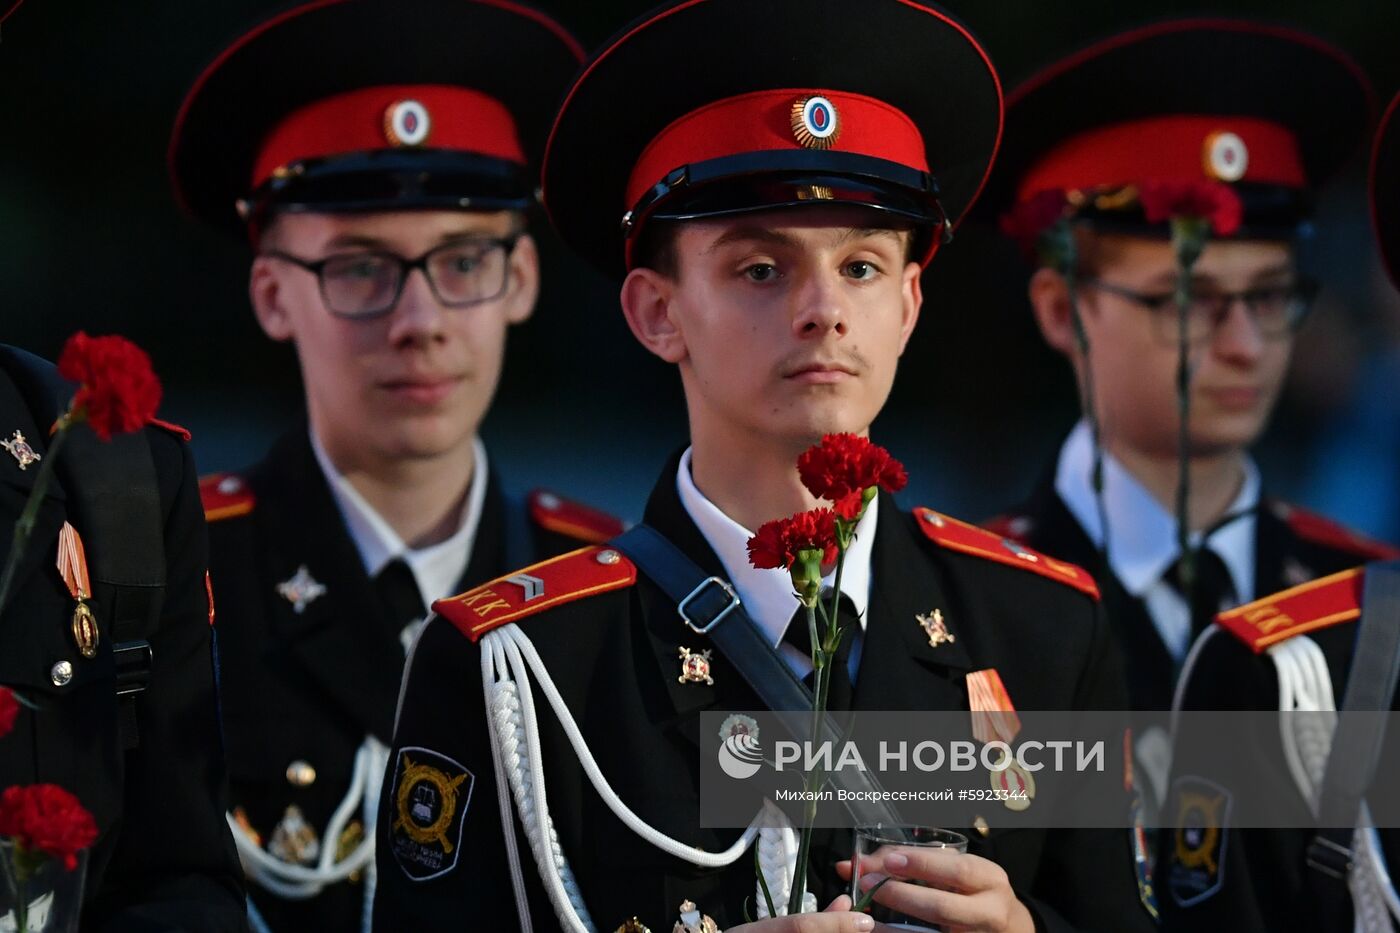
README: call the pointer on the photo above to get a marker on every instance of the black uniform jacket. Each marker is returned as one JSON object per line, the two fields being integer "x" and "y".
{"x": 307, "y": 688}
{"x": 1254, "y": 879}
{"x": 164, "y": 860}
{"x": 1291, "y": 545}
{"x": 614, "y": 659}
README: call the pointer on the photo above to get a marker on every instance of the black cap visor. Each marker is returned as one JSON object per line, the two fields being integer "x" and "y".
{"x": 385, "y": 180}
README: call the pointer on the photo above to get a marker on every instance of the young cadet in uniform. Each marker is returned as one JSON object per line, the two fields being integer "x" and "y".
{"x": 769, "y": 189}
{"x": 381, "y": 156}
{"x": 1271, "y": 113}
{"x": 1300, "y": 649}
{"x": 129, "y": 725}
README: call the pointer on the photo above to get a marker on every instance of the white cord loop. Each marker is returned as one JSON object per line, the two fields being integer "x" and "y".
{"x": 1307, "y": 725}
{"x": 299, "y": 882}
{"x": 508, "y": 658}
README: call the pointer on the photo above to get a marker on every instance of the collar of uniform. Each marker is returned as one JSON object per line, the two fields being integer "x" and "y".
{"x": 767, "y": 594}
{"x": 1141, "y": 558}
{"x": 436, "y": 569}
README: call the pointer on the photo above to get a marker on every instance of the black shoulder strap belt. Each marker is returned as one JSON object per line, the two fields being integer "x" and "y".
{"x": 710, "y": 607}
{"x": 115, "y": 499}
{"x": 1356, "y": 743}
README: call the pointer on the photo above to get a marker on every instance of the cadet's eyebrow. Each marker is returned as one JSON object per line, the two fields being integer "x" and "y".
{"x": 757, "y": 234}
{"x": 365, "y": 241}
{"x": 860, "y": 233}
{"x": 356, "y": 239}
{"x": 750, "y": 233}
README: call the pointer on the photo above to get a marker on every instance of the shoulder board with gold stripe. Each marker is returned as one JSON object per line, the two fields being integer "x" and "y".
{"x": 969, "y": 539}
{"x": 553, "y": 512}
{"x": 1306, "y": 608}
{"x": 180, "y": 432}
{"x": 1319, "y": 529}
{"x": 563, "y": 579}
{"x": 225, "y": 495}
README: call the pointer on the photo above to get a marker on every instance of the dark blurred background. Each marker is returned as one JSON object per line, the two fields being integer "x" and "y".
{"x": 90, "y": 238}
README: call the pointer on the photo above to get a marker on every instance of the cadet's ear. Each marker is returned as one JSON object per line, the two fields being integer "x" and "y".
{"x": 265, "y": 291}
{"x": 1049, "y": 295}
{"x": 646, "y": 303}
{"x": 524, "y": 280}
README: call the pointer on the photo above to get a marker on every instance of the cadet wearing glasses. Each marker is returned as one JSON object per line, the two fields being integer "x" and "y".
{"x": 379, "y": 155}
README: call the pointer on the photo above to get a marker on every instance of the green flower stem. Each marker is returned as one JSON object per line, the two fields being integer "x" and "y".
{"x": 15, "y": 877}
{"x": 24, "y": 527}
{"x": 1188, "y": 241}
{"x": 866, "y": 899}
{"x": 763, "y": 884}
{"x": 823, "y": 651}
{"x": 809, "y": 815}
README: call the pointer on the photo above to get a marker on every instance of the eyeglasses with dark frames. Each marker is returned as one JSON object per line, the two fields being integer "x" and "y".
{"x": 368, "y": 283}
{"x": 1276, "y": 310}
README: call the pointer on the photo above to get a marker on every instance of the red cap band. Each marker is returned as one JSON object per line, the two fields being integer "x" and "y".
{"x": 1171, "y": 148}
{"x": 389, "y": 116}
{"x": 764, "y": 121}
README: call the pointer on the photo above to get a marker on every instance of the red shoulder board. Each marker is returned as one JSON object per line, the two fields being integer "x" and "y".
{"x": 1319, "y": 529}
{"x": 563, "y": 579}
{"x": 960, "y": 536}
{"x": 553, "y": 512}
{"x": 225, "y": 495}
{"x": 182, "y": 433}
{"x": 1013, "y": 526}
{"x": 1306, "y": 608}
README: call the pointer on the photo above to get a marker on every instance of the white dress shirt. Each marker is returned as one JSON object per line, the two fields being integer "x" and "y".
{"x": 767, "y": 594}
{"x": 436, "y": 568}
{"x": 1142, "y": 544}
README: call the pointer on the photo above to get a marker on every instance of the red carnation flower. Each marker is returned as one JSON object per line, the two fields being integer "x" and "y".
{"x": 1025, "y": 222}
{"x": 118, "y": 391}
{"x": 46, "y": 818}
{"x": 846, "y": 464}
{"x": 1211, "y": 201}
{"x": 777, "y": 543}
{"x": 9, "y": 709}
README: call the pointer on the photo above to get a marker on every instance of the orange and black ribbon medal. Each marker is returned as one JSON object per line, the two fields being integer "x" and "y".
{"x": 994, "y": 719}
{"x": 72, "y": 566}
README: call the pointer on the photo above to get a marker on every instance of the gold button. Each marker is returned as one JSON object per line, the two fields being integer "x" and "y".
{"x": 981, "y": 826}
{"x": 608, "y": 557}
{"x": 301, "y": 774}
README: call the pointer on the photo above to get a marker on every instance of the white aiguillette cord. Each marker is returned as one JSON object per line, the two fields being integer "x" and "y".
{"x": 1307, "y": 700}
{"x": 507, "y": 659}
{"x": 298, "y": 882}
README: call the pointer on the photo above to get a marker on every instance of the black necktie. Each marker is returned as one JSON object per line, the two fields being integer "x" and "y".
{"x": 840, "y": 693}
{"x": 398, "y": 593}
{"x": 1212, "y": 589}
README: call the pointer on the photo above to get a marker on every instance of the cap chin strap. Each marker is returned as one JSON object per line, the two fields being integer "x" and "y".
{"x": 1307, "y": 727}
{"x": 508, "y": 657}
{"x": 299, "y": 882}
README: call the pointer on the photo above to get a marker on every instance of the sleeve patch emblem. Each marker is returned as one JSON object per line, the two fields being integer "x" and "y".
{"x": 1198, "y": 854}
{"x": 431, "y": 794}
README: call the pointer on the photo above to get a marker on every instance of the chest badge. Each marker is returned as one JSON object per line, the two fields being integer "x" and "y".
{"x": 695, "y": 667}
{"x": 301, "y": 589}
{"x": 936, "y": 629}
{"x": 693, "y": 921}
{"x": 19, "y": 449}
{"x": 294, "y": 841}
{"x": 72, "y": 566}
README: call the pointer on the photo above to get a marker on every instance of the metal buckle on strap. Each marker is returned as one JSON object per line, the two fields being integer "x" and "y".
{"x": 133, "y": 661}
{"x": 707, "y": 616}
{"x": 1329, "y": 858}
